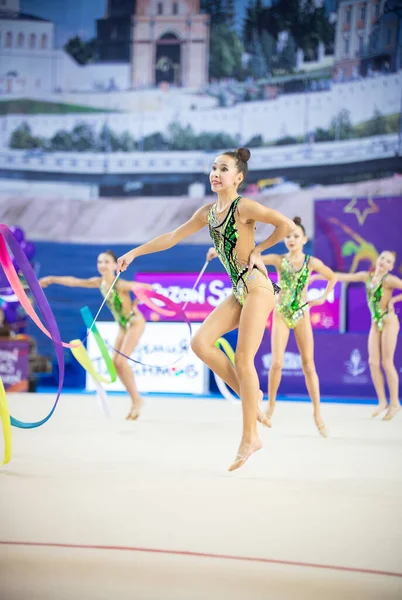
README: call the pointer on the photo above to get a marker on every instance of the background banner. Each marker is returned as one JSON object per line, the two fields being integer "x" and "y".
{"x": 215, "y": 287}
{"x": 341, "y": 361}
{"x": 14, "y": 365}
{"x": 349, "y": 235}
{"x": 160, "y": 345}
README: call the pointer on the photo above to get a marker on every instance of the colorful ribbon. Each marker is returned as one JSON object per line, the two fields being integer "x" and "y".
{"x": 81, "y": 355}
{"x": 222, "y": 387}
{"x": 6, "y": 425}
{"x": 146, "y": 296}
{"x": 51, "y": 329}
{"x": 171, "y": 309}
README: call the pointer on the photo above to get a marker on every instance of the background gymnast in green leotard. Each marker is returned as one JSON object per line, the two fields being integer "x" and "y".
{"x": 383, "y": 335}
{"x": 125, "y": 312}
{"x": 292, "y": 312}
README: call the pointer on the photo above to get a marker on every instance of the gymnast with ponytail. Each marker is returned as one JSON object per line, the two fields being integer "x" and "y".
{"x": 292, "y": 313}
{"x": 231, "y": 221}
{"x": 125, "y": 311}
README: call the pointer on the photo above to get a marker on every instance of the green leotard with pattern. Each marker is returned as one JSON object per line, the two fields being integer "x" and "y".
{"x": 224, "y": 237}
{"x": 374, "y": 295}
{"x": 115, "y": 306}
{"x": 292, "y": 284}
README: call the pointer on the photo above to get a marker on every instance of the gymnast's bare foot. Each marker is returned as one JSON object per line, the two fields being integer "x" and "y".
{"x": 322, "y": 428}
{"x": 381, "y": 406}
{"x": 392, "y": 411}
{"x": 135, "y": 410}
{"x": 246, "y": 449}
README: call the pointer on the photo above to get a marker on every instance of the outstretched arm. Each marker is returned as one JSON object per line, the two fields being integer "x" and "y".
{"x": 396, "y": 284}
{"x": 272, "y": 259}
{"x": 327, "y": 274}
{"x": 344, "y": 277}
{"x": 167, "y": 240}
{"x": 92, "y": 282}
{"x": 127, "y": 286}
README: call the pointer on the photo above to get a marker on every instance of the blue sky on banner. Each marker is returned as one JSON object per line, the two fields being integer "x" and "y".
{"x": 78, "y": 17}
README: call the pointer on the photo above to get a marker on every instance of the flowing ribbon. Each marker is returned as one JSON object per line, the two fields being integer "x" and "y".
{"x": 222, "y": 387}
{"x": 52, "y": 329}
{"x": 81, "y": 355}
{"x": 170, "y": 309}
{"x": 36, "y": 289}
{"x": 6, "y": 425}
{"x": 101, "y": 395}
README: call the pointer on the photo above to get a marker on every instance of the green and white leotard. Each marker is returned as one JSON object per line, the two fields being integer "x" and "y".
{"x": 292, "y": 284}
{"x": 374, "y": 295}
{"x": 115, "y": 305}
{"x": 225, "y": 236}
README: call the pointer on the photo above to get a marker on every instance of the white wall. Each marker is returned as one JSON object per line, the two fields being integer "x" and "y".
{"x": 42, "y": 72}
{"x": 287, "y": 115}
{"x": 25, "y": 69}
{"x": 73, "y": 77}
{"x": 45, "y": 70}
{"x": 302, "y": 155}
{"x": 47, "y": 190}
{"x": 26, "y": 27}
{"x": 98, "y": 76}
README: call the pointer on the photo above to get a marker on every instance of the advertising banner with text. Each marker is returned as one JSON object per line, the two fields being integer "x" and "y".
{"x": 215, "y": 287}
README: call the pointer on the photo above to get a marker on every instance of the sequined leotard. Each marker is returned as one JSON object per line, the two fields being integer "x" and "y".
{"x": 374, "y": 295}
{"x": 293, "y": 284}
{"x": 224, "y": 237}
{"x": 115, "y": 306}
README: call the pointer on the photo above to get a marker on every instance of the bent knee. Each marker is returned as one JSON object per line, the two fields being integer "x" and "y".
{"x": 199, "y": 345}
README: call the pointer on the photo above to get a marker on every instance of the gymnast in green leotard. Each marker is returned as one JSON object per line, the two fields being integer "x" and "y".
{"x": 125, "y": 312}
{"x": 115, "y": 304}
{"x": 292, "y": 312}
{"x": 232, "y": 220}
{"x": 384, "y": 330}
{"x": 225, "y": 237}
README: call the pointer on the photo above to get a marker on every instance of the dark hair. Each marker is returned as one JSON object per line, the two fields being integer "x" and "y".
{"x": 241, "y": 156}
{"x": 297, "y": 221}
{"x": 111, "y": 253}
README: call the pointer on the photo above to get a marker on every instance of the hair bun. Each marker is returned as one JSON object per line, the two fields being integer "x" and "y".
{"x": 243, "y": 153}
{"x": 297, "y": 221}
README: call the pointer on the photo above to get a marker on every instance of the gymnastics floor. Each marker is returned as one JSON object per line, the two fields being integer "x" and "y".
{"x": 97, "y": 508}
